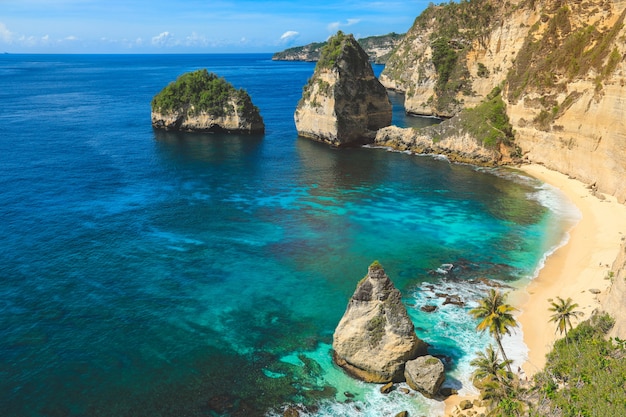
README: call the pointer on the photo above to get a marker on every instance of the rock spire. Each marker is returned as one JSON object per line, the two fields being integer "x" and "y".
{"x": 375, "y": 337}
{"x": 343, "y": 102}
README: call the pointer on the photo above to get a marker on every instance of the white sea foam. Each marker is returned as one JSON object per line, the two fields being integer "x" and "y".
{"x": 363, "y": 399}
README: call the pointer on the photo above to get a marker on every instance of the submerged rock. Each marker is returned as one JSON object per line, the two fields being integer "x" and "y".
{"x": 343, "y": 102}
{"x": 375, "y": 337}
{"x": 202, "y": 101}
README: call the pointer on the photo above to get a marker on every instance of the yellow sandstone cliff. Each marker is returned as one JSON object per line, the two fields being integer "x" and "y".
{"x": 560, "y": 65}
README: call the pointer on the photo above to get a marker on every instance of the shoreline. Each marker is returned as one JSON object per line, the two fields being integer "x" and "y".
{"x": 577, "y": 269}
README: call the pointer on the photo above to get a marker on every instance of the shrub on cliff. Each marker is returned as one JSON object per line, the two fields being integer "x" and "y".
{"x": 488, "y": 121}
{"x": 200, "y": 91}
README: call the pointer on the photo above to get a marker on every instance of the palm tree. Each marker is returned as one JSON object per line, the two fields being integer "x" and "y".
{"x": 496, "y": 317}
{"x": 488, "y": 366}
{"x": 564, "y": 311}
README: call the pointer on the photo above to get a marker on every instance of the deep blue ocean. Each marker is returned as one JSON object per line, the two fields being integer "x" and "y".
{"x": 145, "y": 273}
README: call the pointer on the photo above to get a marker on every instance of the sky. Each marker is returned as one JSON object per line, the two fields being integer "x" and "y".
{"x": 192, "y": 26}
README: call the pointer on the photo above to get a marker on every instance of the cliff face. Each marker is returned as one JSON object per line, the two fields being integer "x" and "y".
{"x": 343, "y": 102}
{"x": 571, "y": 117}
{"x": 561, "y": 67}
{"x": 614, "y": 302}
{"x": 235, "y": 121}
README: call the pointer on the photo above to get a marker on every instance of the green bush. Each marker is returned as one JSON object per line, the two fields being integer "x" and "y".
{"x": 488, "y": 121}
{"x": 331, "y": 51}
{"x": 586, "y": 375}
{"x": 201, "y": 91}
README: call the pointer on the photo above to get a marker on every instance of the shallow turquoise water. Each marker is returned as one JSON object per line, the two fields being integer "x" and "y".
{"x": 157, "y": 274}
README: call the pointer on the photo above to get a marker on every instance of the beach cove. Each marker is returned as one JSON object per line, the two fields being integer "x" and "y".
{"x": 580, "y": 269}
{"x": 164, "y": 265}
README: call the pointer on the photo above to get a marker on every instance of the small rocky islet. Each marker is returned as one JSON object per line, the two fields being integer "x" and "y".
{"x": 375, "y": 340}
{"x": 201, "y": 101}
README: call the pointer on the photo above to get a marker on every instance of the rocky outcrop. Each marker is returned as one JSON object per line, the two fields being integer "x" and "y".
{"x": 457, "y": 147}
{"x": 454, "y": 55}
{"x": 343, "y": 102}
{"x": 375, "y": 337}
{"x": 425, "y": 375}
{"x": 201, "y": 101}
{"x": 378, "y": 48}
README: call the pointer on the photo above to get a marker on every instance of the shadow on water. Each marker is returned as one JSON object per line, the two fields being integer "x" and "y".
{"x": 214, "y": 148}
{"x": 402, "y": 119}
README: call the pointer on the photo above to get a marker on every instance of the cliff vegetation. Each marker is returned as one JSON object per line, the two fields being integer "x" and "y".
{"x": 201, "y": 91}
{"x": 584, "y": 377}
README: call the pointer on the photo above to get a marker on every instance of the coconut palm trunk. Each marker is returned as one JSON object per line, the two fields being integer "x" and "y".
{"x": 496, "y": 317}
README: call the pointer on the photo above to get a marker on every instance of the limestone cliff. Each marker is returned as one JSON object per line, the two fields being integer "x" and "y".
{"x": 201, "y": 101}
{"x": 375, "y": 337}
{"x": 343, "y": 102}
{"x": 614, "y": 302}
{"x": 559, "y": 63}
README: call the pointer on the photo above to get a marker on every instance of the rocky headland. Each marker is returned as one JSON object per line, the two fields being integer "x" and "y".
{"x": 378, "y": 49}
{"x": 561, "y": 73}
{"x": 343, "y": 103}
{"x": 375, "y": 340}
{"x": 203, "y": 102}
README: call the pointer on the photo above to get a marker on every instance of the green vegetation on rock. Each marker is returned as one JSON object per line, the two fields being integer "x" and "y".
{"x": 488, "y": 121}
{"x": 376, "y": 328}
{"x": 585, "y": 373}
{"x": 331, "y": 51}
{"x": 200, "y": 91}
{"x": 557, "y": 53}
{"x": 457, "y": 26}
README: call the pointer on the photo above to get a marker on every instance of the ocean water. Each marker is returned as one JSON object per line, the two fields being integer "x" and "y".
{"x": 145, "y": 273}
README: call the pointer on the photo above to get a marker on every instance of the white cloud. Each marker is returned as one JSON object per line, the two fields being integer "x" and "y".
{"x": 196, "y": 40}
{"x": 163, "y": 39}
{"x": 288, "y": 38}
{"x": 5, "y": 34}
{"x": 335, "y": 26}
{"x": 290, "y": 34}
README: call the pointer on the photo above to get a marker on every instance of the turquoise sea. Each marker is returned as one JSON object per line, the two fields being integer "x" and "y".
{"x": 145, "y": 273}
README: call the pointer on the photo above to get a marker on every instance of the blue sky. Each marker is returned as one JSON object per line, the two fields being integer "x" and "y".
{"x": 191, "y": 26}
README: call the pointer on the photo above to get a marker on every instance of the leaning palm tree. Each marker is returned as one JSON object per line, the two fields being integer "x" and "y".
{"x": 564, "y": 311}
{"x": 488, "y": 366}
{"x": 495, "y": 317}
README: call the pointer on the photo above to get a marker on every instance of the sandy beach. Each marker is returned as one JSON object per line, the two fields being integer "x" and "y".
{"x": 576, "y": 270}
{"x": 579, "y": 269}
